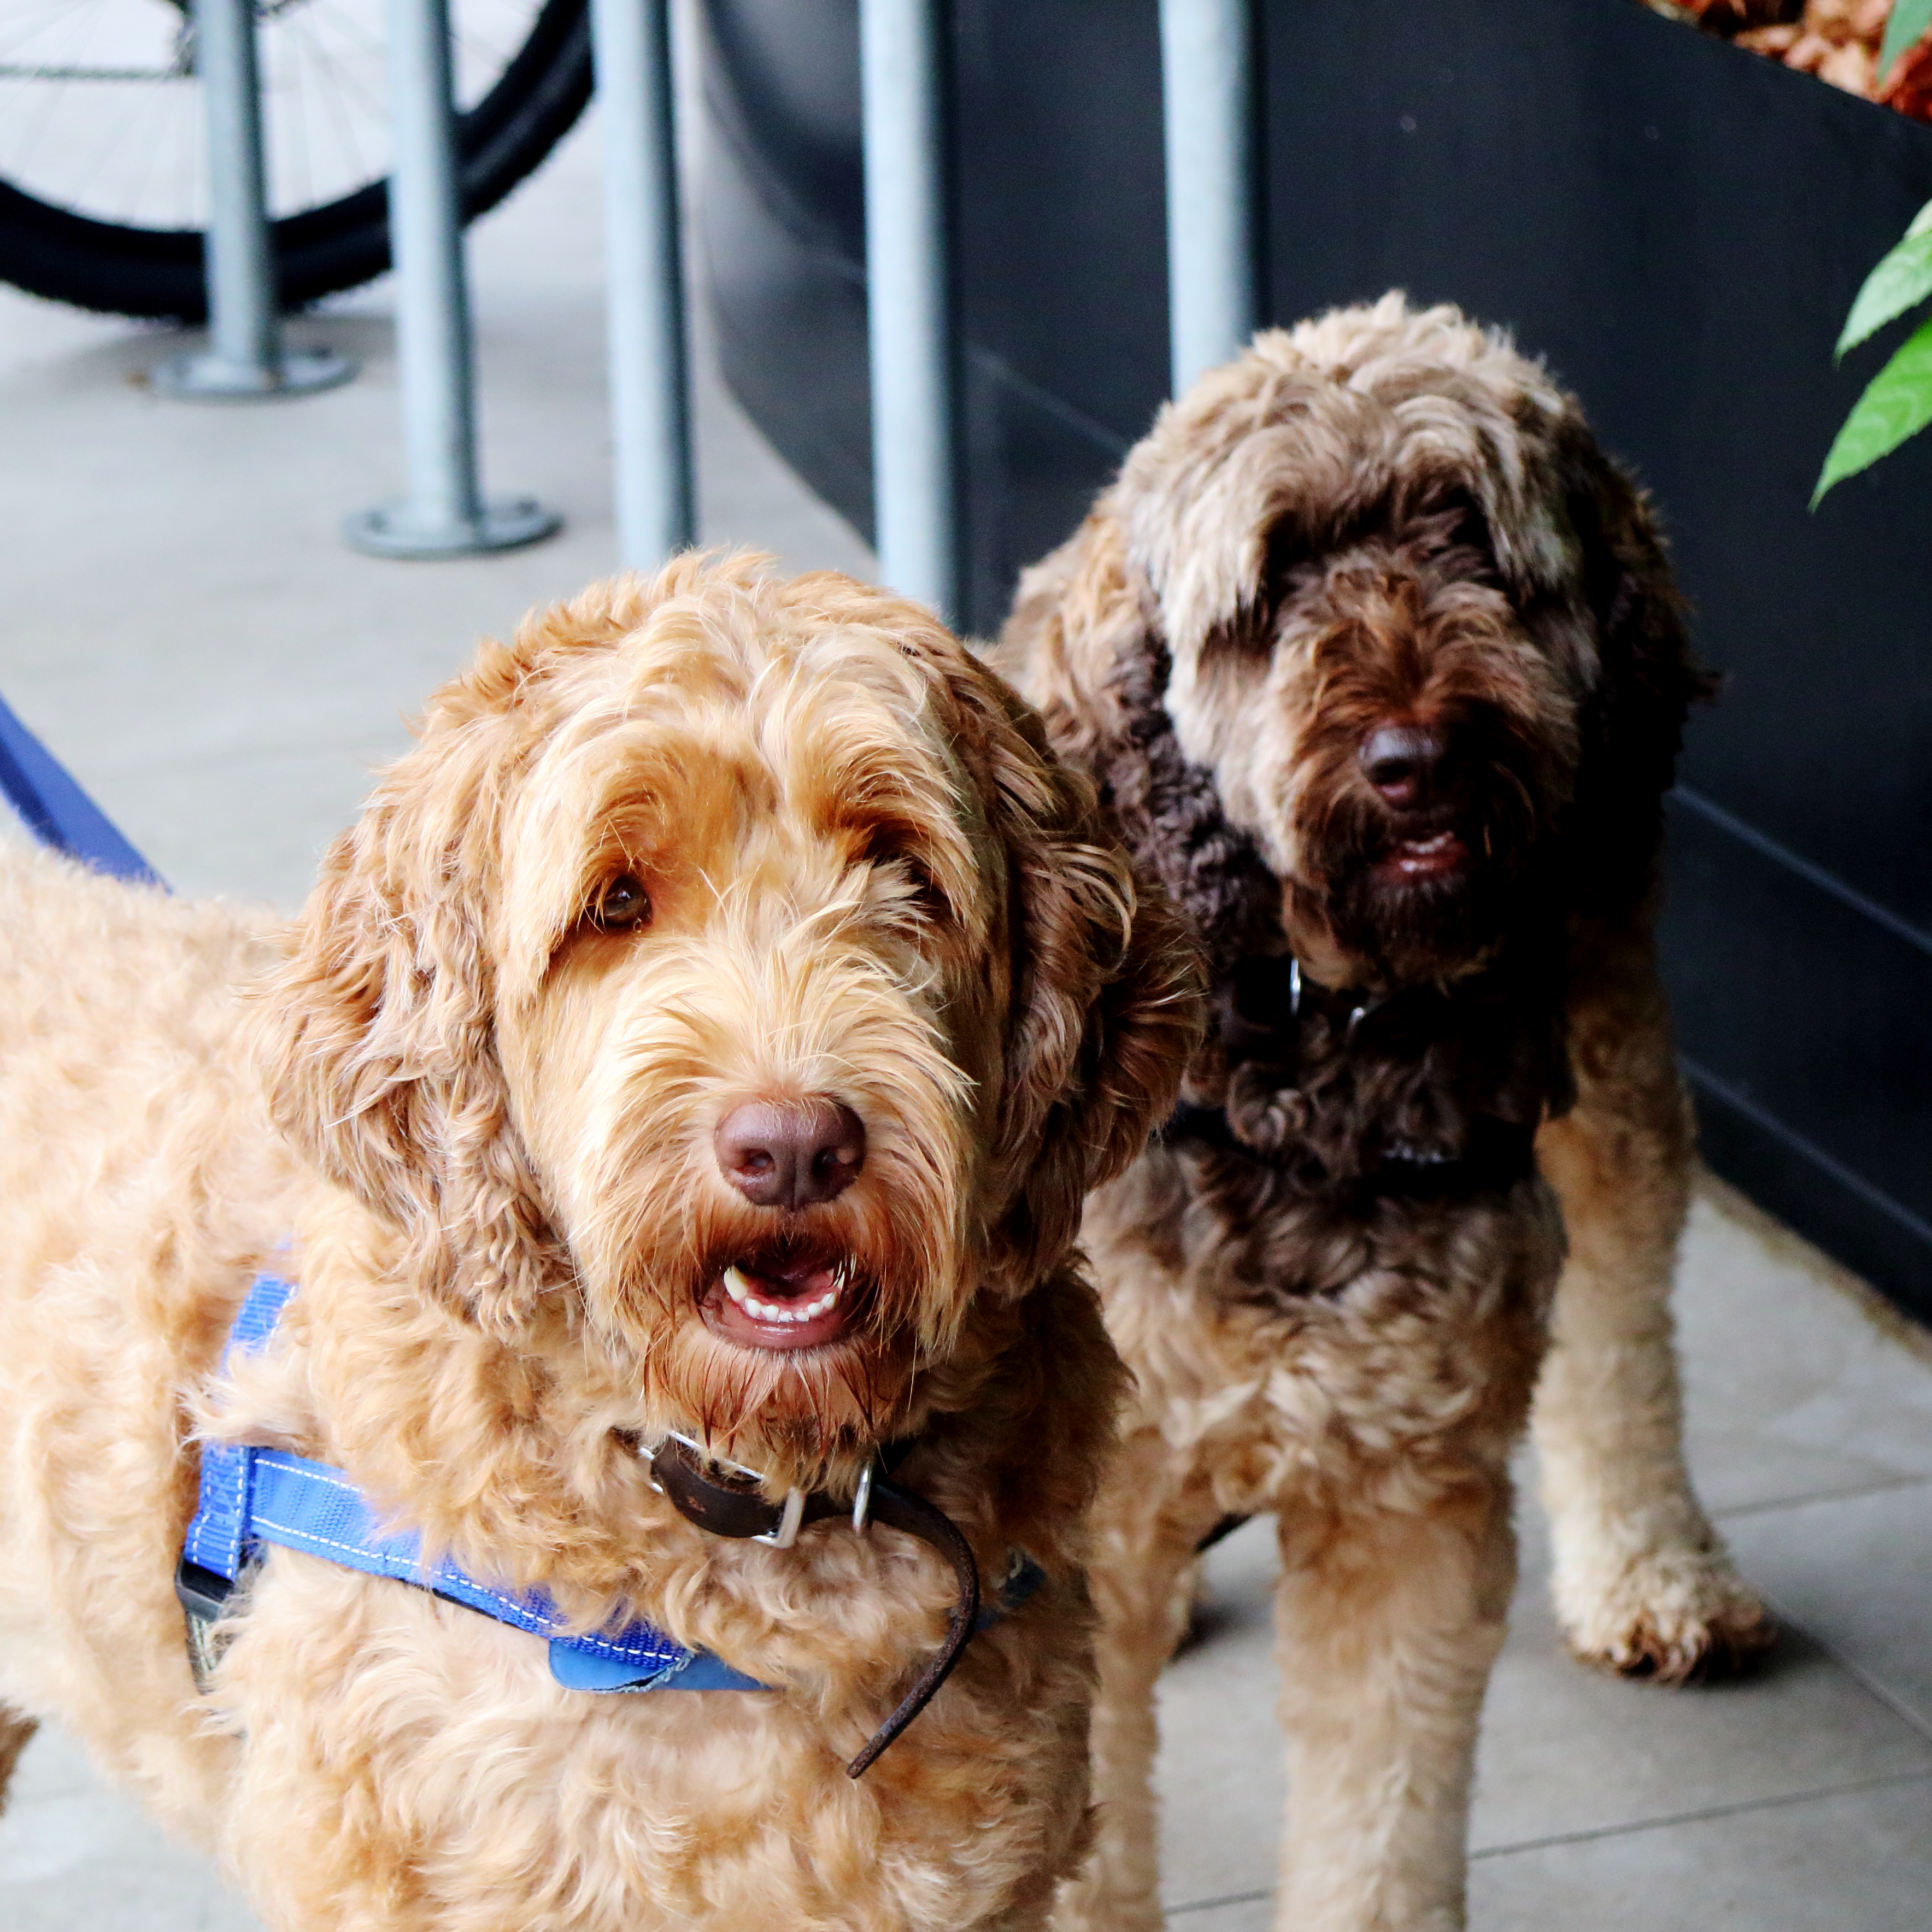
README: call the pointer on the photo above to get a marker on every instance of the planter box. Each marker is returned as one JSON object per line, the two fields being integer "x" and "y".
{"x": 1678, "y": 226}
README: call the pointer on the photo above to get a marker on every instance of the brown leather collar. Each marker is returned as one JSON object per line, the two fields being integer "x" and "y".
{"x": 725, "y": 1502}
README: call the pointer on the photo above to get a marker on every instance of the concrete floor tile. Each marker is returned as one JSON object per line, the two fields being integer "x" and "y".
{"x": 1860, "y": 1859}
{"x": 1565, "y": 1749}
{"x": 76, "y": 1857}
{"x": 1855, "y": 1573}
{"x": 1237, "y": 1915}
{"x": 244, "y": 827}
{"x": 1221, "y": 1778}
{"x": 1791, "y": 1389}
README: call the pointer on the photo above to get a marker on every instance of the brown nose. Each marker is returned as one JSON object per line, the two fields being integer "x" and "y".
{"x": 1401, "y": 761}
{"x": 790, "y": 1155}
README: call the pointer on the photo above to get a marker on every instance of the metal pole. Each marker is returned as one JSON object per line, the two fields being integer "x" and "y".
{"x": 245, "y": 360}
{"x": 649, "y": 392}
{"x": 1208, "y": 88}
{"x": 914, "y": 422}
{"x": 444, "y": 513}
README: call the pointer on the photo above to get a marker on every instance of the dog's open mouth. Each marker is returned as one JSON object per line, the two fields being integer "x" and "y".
{"x": 768, "y": 1302}
{"x": 1410, "y": 860}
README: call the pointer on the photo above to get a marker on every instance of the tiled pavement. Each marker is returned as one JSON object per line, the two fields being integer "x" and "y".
{"x": 181, "y": 624}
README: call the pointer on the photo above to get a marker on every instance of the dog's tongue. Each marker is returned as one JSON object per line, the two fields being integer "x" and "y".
{"x": 807, "y": 1278}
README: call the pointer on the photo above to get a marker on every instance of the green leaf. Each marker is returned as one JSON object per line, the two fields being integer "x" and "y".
{"x": 1897, "y": 404}
{"x": 1903, "y": 279}
{"x": 1910, "y": 19}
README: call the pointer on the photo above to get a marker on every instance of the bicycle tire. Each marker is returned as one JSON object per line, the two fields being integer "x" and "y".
{"x": 157, "y": 272}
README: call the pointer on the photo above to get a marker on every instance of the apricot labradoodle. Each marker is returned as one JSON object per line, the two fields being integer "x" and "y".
{"x": 711, "y": 1027}
{"x": 1377, "y": 661}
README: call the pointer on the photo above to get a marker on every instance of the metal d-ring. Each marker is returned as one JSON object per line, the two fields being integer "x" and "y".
{"x": 862, "y": 1503}
{"x": 786, "y": 1535}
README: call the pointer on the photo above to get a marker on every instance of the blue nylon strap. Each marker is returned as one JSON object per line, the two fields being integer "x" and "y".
{"x": 57, "y": 811}
{"x": 251, "y": 1496}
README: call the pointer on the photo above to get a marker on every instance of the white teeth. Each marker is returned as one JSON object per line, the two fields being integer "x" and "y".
{"x": 739, "y": 1290}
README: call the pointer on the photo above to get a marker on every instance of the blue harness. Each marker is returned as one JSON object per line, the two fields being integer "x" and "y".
{"x": 250, "y": 1497}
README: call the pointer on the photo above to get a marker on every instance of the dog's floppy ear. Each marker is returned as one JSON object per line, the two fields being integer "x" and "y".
{"x": 1647, "y": 679}
{"x": 1084, "y": 640}
{"x": 1107, "y": 990}
{"x": 379, "y": 1033}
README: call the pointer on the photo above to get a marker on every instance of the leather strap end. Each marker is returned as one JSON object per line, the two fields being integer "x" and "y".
{"x": 900, "y": 1510}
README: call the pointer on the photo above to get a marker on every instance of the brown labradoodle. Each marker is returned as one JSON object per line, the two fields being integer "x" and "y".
{"x": 713, "y": 1026}
{"x": 1377, "y": 660}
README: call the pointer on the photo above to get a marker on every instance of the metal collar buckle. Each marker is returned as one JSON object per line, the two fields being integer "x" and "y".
{"x": 732, "y": 1507}
{"x": 786, "y": 1535}
{"x": 793, "y": 1515}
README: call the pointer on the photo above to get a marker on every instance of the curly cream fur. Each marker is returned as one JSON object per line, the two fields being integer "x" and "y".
{"x": 484, "y": 1124}
{"x": 1385, "y": 514}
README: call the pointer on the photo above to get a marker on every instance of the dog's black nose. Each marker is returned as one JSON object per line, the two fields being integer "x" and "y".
{"x": 796, "y": 1154}
{"x": 1401, "y": 762}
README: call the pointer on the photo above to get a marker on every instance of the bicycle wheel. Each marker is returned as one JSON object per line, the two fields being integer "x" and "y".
{"x": 102, "y": 175}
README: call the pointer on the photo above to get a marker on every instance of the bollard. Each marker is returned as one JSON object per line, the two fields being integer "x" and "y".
{"x": 443, "y": 514}
{"x": 650, "y": 409}
{"x": 245, "y": 361}
{"x": 1207, "y": 59}
{"x": 915, "y": 472}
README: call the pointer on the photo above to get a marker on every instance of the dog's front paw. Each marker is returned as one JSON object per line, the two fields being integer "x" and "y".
{"x": 1679, "y": 1614}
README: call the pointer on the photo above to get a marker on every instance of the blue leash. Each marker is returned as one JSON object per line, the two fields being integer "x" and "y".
{"x": 57, "y": 811}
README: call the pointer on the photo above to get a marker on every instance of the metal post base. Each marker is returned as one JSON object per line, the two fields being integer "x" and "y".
{"x": 216, "y": 378}
{"x": 394, "y": 530}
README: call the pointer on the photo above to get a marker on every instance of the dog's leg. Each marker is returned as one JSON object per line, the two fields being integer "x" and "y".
{"x": 1143, "y": 1575}
{"x": 15, "y": 1733}
{"x": 1642, "y": 1583}
{"x": 1388, "y": 1623}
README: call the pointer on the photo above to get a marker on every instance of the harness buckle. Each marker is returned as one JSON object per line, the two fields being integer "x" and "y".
{"x": 204, "y": 1596}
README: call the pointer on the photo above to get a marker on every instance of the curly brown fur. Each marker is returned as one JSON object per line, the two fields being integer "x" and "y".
{"x": 485, "y": 1117}
{"x": 1378, "y": 665}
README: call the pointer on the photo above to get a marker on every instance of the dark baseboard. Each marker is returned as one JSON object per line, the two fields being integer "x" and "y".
{"x": 1814, "y": 1195}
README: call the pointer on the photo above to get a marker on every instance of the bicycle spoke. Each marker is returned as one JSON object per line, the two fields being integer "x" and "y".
{"x": 182, "y": 189}
{"x": 349, "y": 134}
{"x": 102, "y": 124}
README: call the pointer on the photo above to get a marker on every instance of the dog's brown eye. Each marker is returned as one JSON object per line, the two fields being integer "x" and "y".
{"x": 621, "y": 902}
